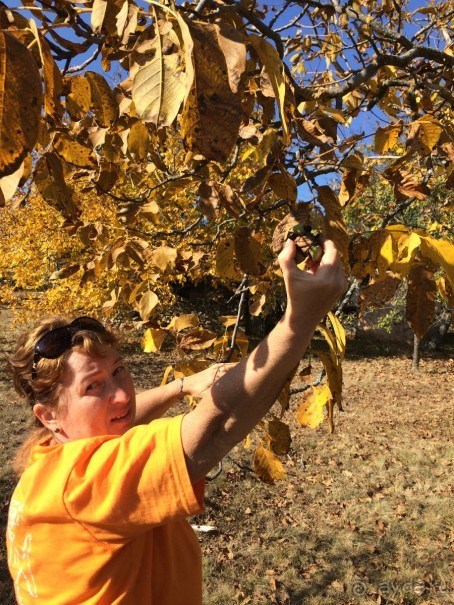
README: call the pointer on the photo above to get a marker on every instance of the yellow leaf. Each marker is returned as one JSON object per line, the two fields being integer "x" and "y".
{"x": 138, "y": 141}
{"x": 242, "y": 342}
{"x": 248, "y": 251}
{"x": 339, "y": 332}
{"x": 97, "y": 14}
{"x": 429, "y": 131}
{"x": 331, "y": 340}
{"x": 225, "y": 266}
{"x": 153, "y": 339}
{"x": 386, "y": 255}
{"x": 334, "y": 375}
{"x": 408, "y": 246}
{"x": 440, "y": 252}
{"x": 51, "y": 183}
{"x": 146, "y": 304}
{"x": 336, "y": 114}
{"x": 228, "y": 320}
{"x": 53, "y": 83}
{"x": 163, "y": 257}
{"x": 274, "y": 67}
{"x": 378, "y": 293}
{"x": 234, "y": 50}
{"x": 446, "y": 292}
{"x": 182, "y": 322}
{"x": 166, "y": 375}
{"x": 387, "y": 138}
{"x": 310, "y": 411}
{"x": 267, "y": 466}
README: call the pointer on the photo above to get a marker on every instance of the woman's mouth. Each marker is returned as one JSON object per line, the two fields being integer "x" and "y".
{"x": 122, "y": 416}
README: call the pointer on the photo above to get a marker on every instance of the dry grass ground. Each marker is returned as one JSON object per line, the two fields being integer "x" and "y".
{"x": 365, "y": 515}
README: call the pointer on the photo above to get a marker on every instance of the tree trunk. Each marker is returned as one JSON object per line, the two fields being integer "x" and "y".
{"x": 437, "y": 331}
{"x": 416, "y": 356}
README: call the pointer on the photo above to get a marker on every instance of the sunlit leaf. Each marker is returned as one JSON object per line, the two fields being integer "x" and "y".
{"x": 146, "y": 304}
{"x": 182, "y": 322}
{"x": 159, "y": 84}
{"x": 310, "y": 411}
{"x": 267, "y": 466}
{"x": 153, "y": 340}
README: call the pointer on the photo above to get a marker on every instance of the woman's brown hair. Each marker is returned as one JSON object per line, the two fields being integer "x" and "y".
{"x": 42, "y": 383}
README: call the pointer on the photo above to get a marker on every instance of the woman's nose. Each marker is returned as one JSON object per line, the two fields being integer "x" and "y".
{"x": 119, "y": 393}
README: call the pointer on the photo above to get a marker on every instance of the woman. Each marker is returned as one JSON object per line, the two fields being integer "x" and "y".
{"x": 99, "y": 513}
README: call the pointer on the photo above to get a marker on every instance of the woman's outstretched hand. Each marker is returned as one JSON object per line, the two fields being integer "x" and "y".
{"x": 196, "y": 385}
{"x": 312, "y": 293}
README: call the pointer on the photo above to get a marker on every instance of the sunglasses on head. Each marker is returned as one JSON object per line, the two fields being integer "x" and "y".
{"x": 54, "y": 343}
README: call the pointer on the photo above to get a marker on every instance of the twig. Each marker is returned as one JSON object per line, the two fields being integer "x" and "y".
{"x": 85, "y": 63}
{"x": 242, "y": 288}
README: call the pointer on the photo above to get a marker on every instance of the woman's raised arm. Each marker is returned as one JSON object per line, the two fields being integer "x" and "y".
{"x": 239, "y": 399}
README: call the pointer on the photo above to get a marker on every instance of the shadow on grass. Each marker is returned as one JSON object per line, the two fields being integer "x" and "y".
{"x": 7, "y": 485}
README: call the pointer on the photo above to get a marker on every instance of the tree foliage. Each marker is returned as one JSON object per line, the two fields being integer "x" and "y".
{"x": 144, "y": 144}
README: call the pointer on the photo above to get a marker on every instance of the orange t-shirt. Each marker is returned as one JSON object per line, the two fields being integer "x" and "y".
{"x": 103, "y": 521}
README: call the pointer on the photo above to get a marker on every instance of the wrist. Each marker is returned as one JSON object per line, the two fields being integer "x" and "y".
{"x": 302, "y": 319}
{"x": 181, "y": 393}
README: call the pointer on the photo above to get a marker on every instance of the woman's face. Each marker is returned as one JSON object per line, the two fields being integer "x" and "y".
{"x": 97, "y": 397}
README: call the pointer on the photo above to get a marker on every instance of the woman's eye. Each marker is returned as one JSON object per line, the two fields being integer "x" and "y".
{"x": 118, "y": 370}
{"x": 92, "y": 386}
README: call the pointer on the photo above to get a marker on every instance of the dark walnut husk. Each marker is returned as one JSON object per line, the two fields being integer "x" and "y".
{"x": 308, "y": 241}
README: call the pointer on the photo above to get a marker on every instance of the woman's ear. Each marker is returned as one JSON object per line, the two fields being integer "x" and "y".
{"x": 46, "y": 416}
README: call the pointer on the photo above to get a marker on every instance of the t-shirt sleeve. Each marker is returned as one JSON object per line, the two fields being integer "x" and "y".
{"x": 125, "y": 485}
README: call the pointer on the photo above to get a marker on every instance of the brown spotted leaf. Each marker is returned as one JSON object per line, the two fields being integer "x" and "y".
{"x": 283, "y": 185}
{"x": 212, "y": 114}
{"x": 51, "y": 183}
{"x": 378, "y": 293}
{"x": 197, "y": 339}
{"x": 72, "y": 151}
{"x": 103, "y": 101}
{"x": 248, "y": 251}
{"x": 279, "y": 433}
{"x": 225, "y": 260}
{"x": 78, "y": 96}
{"x": 208, "y": 200}
{"x": 301, "y": 215}
{"x": 232, "y": 45}
{"x": 20, "y": 103}
{"x": 335, "y": 227}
